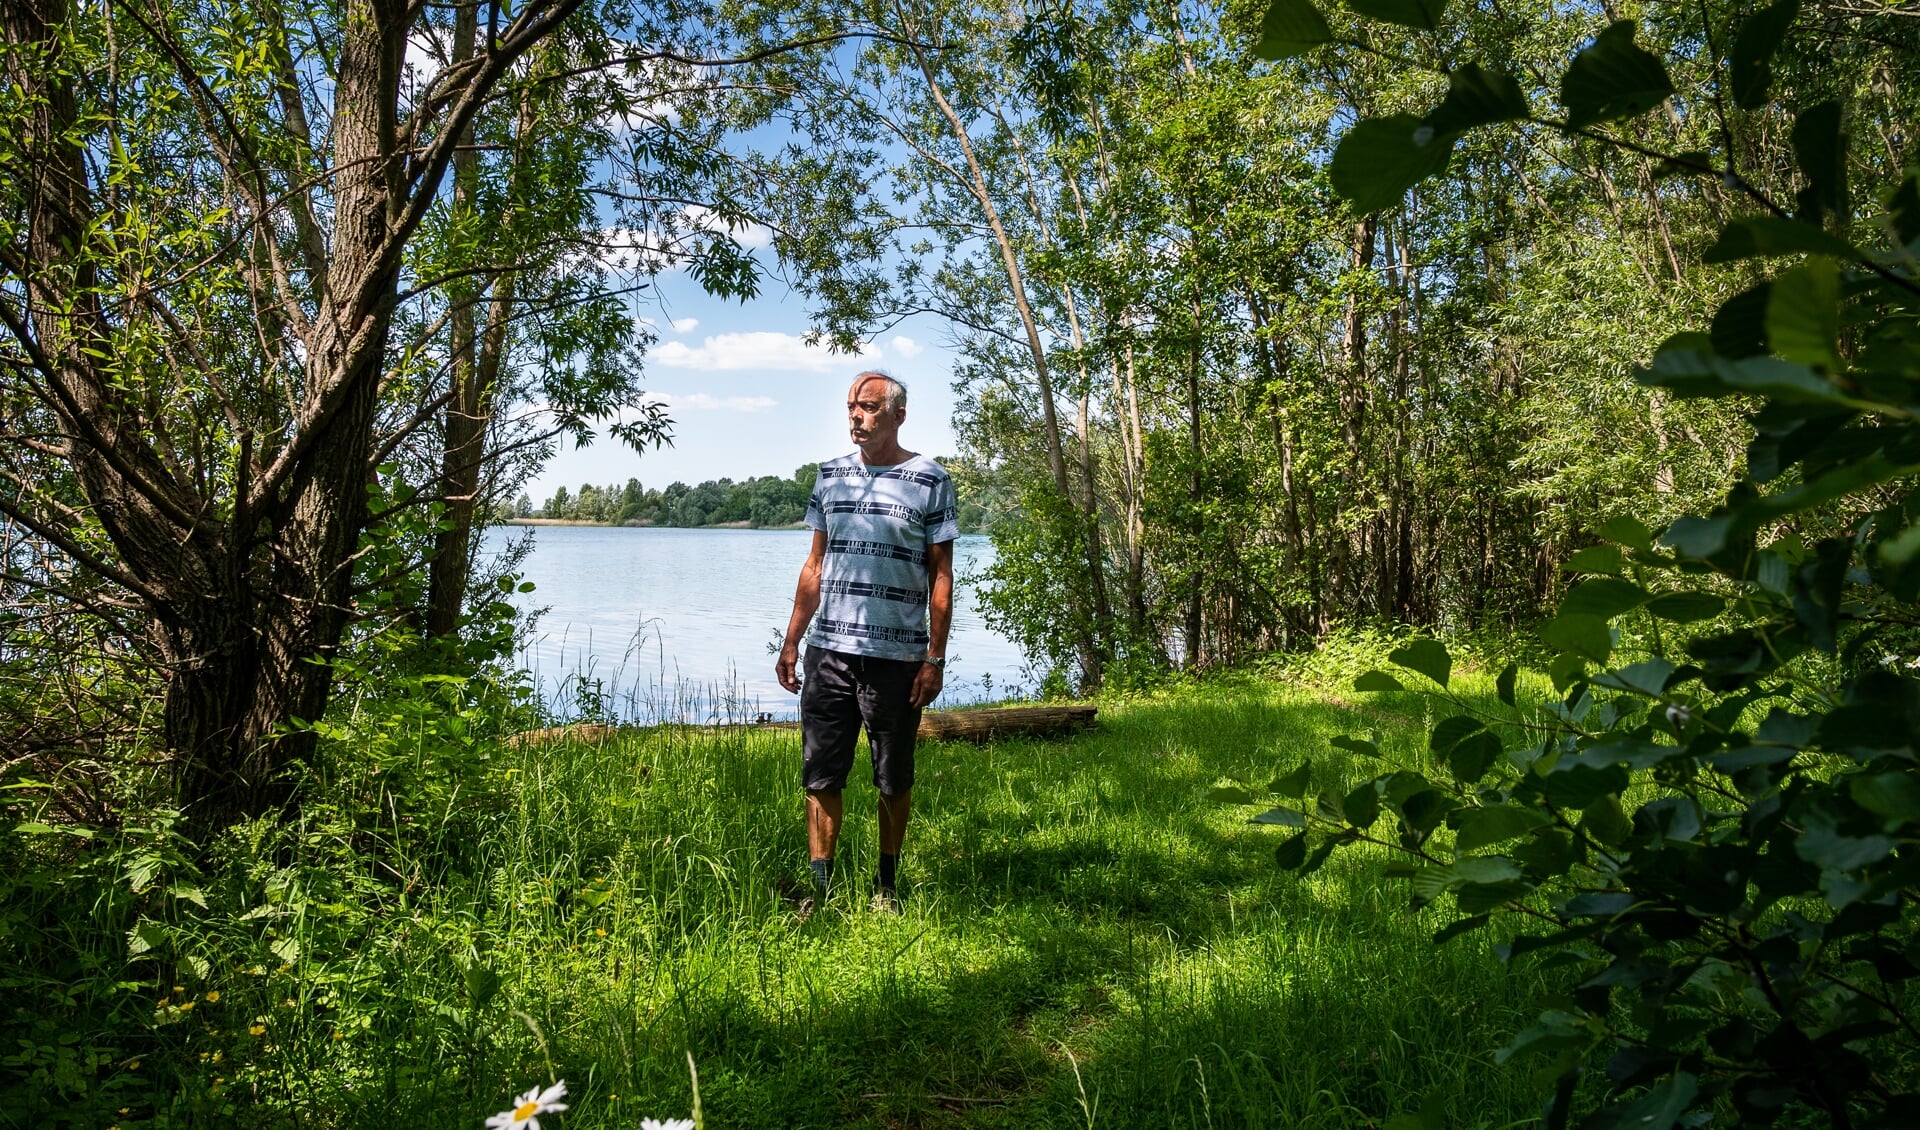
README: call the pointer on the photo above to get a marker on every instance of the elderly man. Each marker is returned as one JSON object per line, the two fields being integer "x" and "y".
{"x": 881, "y": 576}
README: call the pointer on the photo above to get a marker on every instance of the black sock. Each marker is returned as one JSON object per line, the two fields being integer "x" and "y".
{"x": 889, "y": 866}
{"x": 822, "y": 876}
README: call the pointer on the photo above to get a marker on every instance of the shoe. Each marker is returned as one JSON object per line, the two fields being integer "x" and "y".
{"x": 885, "y": 901}
{"x": 803, "y": 910}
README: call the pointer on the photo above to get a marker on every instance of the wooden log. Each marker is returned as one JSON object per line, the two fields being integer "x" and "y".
{"x": 1005, "y": 721}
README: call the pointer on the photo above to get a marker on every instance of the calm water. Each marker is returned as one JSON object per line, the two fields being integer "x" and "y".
{"x": 679, "y": 623}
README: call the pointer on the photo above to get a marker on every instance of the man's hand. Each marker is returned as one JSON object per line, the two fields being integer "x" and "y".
{"x": 783, "y": 670}
{"x": 926, "y": 685}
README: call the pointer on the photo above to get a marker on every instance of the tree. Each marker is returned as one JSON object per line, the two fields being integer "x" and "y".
{"x": 1716, "y": 852}
{"x": 199, "y": 291}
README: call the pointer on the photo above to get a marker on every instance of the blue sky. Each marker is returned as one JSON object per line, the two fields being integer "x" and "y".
{"x": 748, "y": 397}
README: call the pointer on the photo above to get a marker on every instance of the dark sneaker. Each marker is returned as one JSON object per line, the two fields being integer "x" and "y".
{"x": 885, "y": 901}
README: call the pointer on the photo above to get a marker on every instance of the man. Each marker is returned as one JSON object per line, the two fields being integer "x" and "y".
{"x": 881, "y": 576}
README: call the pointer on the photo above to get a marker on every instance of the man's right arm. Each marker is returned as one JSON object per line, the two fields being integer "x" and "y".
{"x": 806, "y": 599}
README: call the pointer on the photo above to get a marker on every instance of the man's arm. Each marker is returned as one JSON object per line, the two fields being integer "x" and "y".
{"x": 927, "y": 684}
{"x": 806, "y": 599}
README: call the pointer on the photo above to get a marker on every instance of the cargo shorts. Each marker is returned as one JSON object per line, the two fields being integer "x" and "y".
{"x": 839, "y": 693}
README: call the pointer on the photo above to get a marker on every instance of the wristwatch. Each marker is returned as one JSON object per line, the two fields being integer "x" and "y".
{"x": 937, "y": 662}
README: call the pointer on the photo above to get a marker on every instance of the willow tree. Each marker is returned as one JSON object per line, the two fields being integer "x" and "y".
{"x": 205, "y": 223}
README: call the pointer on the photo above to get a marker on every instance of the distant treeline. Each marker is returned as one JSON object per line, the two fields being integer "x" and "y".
{"x": 768, "y": 501}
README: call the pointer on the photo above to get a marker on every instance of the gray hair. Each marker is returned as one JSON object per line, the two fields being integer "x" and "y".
{"x": 896, "y": 388}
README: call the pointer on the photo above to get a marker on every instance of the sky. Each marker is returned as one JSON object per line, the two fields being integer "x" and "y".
{"x": 748, "y": 397}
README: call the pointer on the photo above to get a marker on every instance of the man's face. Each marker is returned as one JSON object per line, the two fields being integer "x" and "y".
{"x": 869, "y": 420}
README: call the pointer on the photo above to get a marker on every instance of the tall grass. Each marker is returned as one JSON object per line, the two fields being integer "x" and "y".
{"x": 1084, "y": 943}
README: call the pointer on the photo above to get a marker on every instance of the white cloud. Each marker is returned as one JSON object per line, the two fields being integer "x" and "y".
{"x": 685, "y": 325}
{"x": 744, "y": 234}
{"x": 905, "y": 346}
{"x": 759, "y": 350}
{"x": 701, "y": 402}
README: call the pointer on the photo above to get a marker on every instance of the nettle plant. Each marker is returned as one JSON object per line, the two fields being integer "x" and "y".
{"x": 1712, "y": 827}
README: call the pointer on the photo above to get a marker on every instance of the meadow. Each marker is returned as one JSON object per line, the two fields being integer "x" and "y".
{"x": 1086, "y": 942}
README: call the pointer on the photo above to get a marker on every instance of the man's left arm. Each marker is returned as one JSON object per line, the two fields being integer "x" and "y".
{"x": 927, "y": 684}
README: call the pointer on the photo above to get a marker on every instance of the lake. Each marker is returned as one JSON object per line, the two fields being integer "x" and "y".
{"x": 652, "y": 624}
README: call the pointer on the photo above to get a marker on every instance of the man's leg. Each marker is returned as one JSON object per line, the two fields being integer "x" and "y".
{"x": 893, "y": 724}
{"x": 893, "y": 832}
{"x": 829, "y": 726}
{"x": 824, "y": 810}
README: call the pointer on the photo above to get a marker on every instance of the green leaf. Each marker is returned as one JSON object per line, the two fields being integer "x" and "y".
{"x": 1604, "y": 597}
{"x": 1379, "y": 159}
{"x": 1464, "y": 926}
{"x": 1449, "y": 732}
{"x": 1612, "y": 78}
{"x": 1481, "y": 827}
{"x": 1690, "y": 374}
{"x": 144, "y": 937}
{"x": 1422, "y": 14}
{"x": 1227, "y": 794}
{"x": 1824, "y": 845}
{"x": 1595, "y": 559}
{"x": 1503, "y": 683}
{"x": 1355, "y": 745}
{"x": 1659, "y": 1109}
{"x": 1649, "y": 677}
{"x": 1625, "y": 529}
{"x": 1582, "y": 635}
{"x": 1361, "y": 807}
{"x": 1761, "y": 236}
{"x": 1377, "y": 681}
{"x": 1820, "y": 147}
{"x": 1564, "y": 669}
{"x": 1686, "y": 607}
{"x": 1895, "y": 796}
{"x": 1293, "y": 782}
{"x": 1481, "y": 898}
{"x": 1291, "y": 853}
{"x": 1281, "y": 817}
{"x": 1429, "y": 657}
{"x": 1477, "y": 97}
{"x": 1291, "y": 27}
{"x": 189, "y": 894}
{"x": 1803, "y": 315}
{"x": 595, "y": 893}
{"x": 482, "y": 984}
{"x": 1760, "y": 35}
{"x": 1471, "y": 758}
{"x": 1740, "y": 325}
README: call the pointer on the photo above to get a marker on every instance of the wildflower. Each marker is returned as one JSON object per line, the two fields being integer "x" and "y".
{"x": 666, "y": 1124}
{"x": 1679, "y": 716}
{"x": 213, "y": 996}
{"x": 528, "y": 1108}
{"x": 257, "y": 1030}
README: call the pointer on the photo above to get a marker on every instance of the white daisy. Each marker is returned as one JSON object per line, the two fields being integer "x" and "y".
{"x": 528, "y": 1108}
{"x": 666, "y": 1124}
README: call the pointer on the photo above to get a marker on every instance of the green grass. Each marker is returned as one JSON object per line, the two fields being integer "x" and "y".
{"x": 1085, "y": 943}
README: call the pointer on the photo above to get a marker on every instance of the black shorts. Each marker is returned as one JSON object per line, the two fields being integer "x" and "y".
{"x": 838, "y": 693}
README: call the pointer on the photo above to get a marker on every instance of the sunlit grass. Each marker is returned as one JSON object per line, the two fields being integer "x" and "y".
{"x": 1084, "y": 942}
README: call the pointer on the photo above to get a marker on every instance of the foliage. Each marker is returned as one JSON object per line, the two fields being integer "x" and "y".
{"x": 1712, "y": 822}
{"x": 420, "y": 941}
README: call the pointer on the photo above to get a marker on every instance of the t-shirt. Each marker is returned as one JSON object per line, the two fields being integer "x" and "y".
{"x": 879, "y": 522}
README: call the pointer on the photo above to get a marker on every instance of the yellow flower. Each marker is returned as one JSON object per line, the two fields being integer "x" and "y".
{"x": 213, "y": 996}
{"x": 257, "y": 1030}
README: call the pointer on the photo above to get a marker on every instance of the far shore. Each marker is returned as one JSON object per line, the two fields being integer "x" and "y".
{"x": 646, "y": 525}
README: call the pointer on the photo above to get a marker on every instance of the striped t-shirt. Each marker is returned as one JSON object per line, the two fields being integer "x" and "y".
{"x": 879, "y": 523}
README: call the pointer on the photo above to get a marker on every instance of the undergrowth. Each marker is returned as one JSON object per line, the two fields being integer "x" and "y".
{"x": 452, "y": 917}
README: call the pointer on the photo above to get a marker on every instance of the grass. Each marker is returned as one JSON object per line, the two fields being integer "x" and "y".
{"x": 1085, "y": 943}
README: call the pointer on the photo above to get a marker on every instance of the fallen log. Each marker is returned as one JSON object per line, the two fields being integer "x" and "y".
{"x": 1005, "y": 721}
